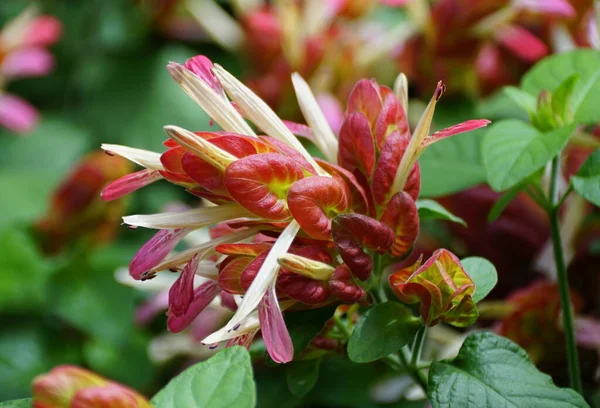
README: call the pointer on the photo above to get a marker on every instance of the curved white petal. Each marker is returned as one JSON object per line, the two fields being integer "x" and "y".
{"x": 196, "y": 218}
{"x": 215, "y": 105}
{"x": 265, "y": 276}
{"x": 145, "y": 158}
{"x": 260, "y": 113}
{"x": 323, "y": 135}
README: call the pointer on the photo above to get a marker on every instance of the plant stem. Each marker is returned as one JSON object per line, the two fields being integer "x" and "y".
{"x": 414, "y": 372}
{"x": 563, "y": 283}
{"x": 342, "y": 327}
{"x": 418, "y": 346}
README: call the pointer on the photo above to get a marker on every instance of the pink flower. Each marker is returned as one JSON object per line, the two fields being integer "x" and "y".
{"x": 22, "y": 47}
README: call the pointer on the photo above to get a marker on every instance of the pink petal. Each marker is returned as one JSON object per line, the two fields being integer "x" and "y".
{"x": 155, "y": 251}
{"x": 181, "y": 293}
{"x": 129, "y": 183}
{"x": 202, "y": 297}
{"x": 299, "y": 129}
{"x": 463, "y": 127}
{"x": 549, "y": 8}
{"x": 522, "y": 43}
{"x": 202, "y": 67}
{"x": 29, "y": 62}
{"x": 277, "y": 338}
{"x": 587, "y": 332}
{"x": 44, "y": 30}
{"x": 228, "y": 301}
{"x": 16, "y": 114}
{"x": 332, "y": 109}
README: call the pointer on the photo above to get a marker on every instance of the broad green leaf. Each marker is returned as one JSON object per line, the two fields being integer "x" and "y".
{"x": 384, "y": 329}
{"x": 23, "y": 273}
{"x": 551, "y": 72}
{"x": 483, "y": 274}
{"x": 429, "y": 209}
{"x": 513, "y": 150}
{"x": 503, "y": 202}
{"x": 305, "y": 325}
{"x": 521, "y": 98}
{"x": 21, "y": 403}
{"x": 493, "y": 372}
{"x": 587, "y": 180}
{"x": 301, "y": 376}
{"x": 222, "y": 381}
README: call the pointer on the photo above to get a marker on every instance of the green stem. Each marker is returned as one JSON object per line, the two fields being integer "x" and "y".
{"x": 418, "y": 346}
{"x": 563, "y": 283}
{"x": 342, "y": 326}
{"x": 414, "y": 372}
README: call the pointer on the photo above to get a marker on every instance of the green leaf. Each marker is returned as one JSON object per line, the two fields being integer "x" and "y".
{"x": 23, "y": 273}
{"x": 513, "y": 150}
{"x": 561, "y": 98}
{"x": 384, "y": 329}
{"x": 521, "y": 98}
{"x": 222, "y": 381}
{"x": 503, "y": 202}
{"x": 21, "y": 403}
{"x": 305, "y": 325}
{"x": 429, "y": 209}
{"x": 551, "y": 72}
{"x": 493, "y": 372}
{"x": 483, "y": 274}
{"x": 587, "y": 180}
{"x": 301, "y": 376}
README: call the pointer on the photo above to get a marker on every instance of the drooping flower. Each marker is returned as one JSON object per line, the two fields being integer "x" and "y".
{"x": 299, "y": 231}
{"x": 441, "y": 286}
{"x": 74, "y": 387}
{"x": 23, "y": 54}
{"x": 76, "y": 211}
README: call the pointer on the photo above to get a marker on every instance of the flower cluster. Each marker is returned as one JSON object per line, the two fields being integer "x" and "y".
{"x": 23, "y": 54}
{"x": 293, "y": 231}
{"x": 479, "y": 46}
{"x": 73, "y": 387}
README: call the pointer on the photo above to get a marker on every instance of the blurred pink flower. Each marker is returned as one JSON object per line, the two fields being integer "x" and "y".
{"x": 22, "y": 55}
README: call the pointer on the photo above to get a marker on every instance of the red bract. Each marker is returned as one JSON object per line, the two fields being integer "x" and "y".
{"x": 442, "y": 288}
{"x": 352, "y": 233}
{"x": 260, "y": 183}
{"x": 73, "y": 387}
{"x": 314, "y": 201}
{"x": 402, "y": 216}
